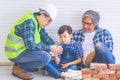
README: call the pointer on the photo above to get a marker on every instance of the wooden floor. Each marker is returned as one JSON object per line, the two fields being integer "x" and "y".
{"x": 5, "y": 74}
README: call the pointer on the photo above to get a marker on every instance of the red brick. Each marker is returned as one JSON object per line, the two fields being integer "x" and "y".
{"x": 112, "y": 76}
{"x": 89, "y": 71}
{"x": 112, "y": 79}
{"x": 86, "y": 79}
{"x": 99, "y": 76}
{"x": 114, "y": 66}
{"x": 117, "y": 71}
{"x": 108, "y": 71}
{"x": 95, "y": 72}
{"x": 86, "y": 71}
{"x": 98, "y": 66}
{"x": 102, "y": 72}
{"x": 118, "y": 75}
{"x": 95, "y": 79}
{"x": 86, "y": 76}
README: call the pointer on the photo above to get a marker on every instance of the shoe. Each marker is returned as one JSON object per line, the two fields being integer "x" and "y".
{"x": 20, "y": 74}
{"x": 42, "y": 68}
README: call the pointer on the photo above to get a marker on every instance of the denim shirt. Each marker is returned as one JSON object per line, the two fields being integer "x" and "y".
{"x": 71, "y": 52}
{"x": 101, "y": 36}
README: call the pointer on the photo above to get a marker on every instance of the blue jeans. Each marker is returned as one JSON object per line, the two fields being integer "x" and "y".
{"x": 30, "y": 60}
{"x": 55, "y": 69}
{"x": 103, "y": 55}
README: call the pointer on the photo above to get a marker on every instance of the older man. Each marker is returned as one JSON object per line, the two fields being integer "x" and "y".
{"x": 97, "y": 43}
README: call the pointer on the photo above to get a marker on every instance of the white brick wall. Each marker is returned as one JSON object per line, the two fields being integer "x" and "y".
{"x": 69, "y": 12}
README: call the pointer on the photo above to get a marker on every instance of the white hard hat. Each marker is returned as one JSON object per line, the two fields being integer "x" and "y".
{"x": 50, "y": 9}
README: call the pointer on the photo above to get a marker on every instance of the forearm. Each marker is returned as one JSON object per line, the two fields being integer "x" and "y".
{"x": 89, "y": 58}
{"x": 46, "y": 38}
{"x": 77, "y": 61}
{"x": 56, "y": 59}
{"x": 40, "y": 46}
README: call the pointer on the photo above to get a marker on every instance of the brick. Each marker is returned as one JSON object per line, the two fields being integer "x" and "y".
{"x": 102, "y": 72}
{"x": 98, "y": 66}
{"x": 86, "y": 79}
{"x": 99, "y": 76}
{"x": 95, "y": 79}
{"x": 108, "y": 79}
{"x": 114, "y": 66}
{"x": 117, "y": 71}
{"x": 108, "y": 71}
{"x": 112, "y": 76}
{"x": 89, "y": 71}
{"x": 86, "y": 76}
{"x": 95, "y": 72}
{"x": 104, "y": 79}
{"x": 86, "y": 71}
{"x": 112, "y": 79}
{"x": 117, "y": 75}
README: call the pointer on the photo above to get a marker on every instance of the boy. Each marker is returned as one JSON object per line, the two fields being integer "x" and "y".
{"x": 71, "y": 56}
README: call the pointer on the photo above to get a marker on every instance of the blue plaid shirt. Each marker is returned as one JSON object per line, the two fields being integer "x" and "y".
{"x": 26, "y": 31}
{"x": 71, "y": 52}
{"x": 102, "y": 35}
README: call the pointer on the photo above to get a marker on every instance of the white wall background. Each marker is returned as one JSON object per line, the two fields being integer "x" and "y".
{"x": 69, "y": 12}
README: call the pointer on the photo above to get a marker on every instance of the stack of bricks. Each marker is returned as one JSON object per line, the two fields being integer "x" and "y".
{"x": 101, "y": 71}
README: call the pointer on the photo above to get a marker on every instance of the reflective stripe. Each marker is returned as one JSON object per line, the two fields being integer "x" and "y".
{"x": 10, "y": 49}
{"x": 14, "y": 44}
{"x": 15, "y": 39}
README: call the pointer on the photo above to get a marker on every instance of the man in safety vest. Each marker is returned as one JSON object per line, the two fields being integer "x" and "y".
{"x": 28, "y": 44}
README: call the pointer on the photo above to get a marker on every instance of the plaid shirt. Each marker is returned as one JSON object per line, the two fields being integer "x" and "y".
{"x": 101, "y": 36}
{"x": 26, "y": 30}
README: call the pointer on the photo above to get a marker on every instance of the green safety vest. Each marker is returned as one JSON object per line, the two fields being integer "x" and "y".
{"x": 14, "y": 44}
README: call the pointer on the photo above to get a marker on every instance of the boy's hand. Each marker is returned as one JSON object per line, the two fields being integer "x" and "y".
{"x": 56, "y": 49}
{"x": 64, "y": 65}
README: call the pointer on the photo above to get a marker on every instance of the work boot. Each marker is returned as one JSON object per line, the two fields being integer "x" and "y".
{"x": 20, "y": 74}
